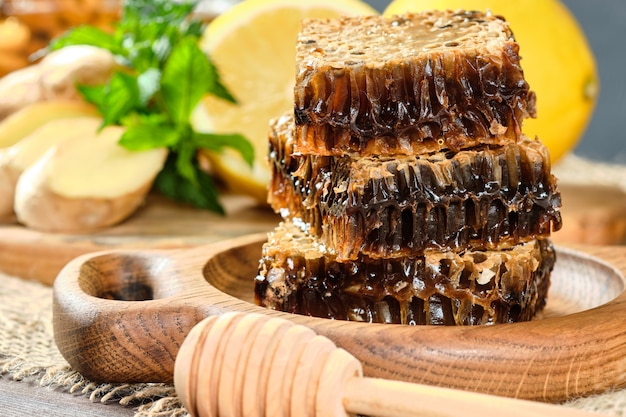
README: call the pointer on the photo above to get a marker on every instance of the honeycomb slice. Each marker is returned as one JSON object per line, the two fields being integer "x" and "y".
{"x": 474, "y": 287}
{"x": 448, "y": 79}
{"x": 393, "y": 207}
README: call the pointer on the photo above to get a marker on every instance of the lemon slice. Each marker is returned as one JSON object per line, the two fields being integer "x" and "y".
{"x": 557, "y": 61}
{"x": 253, "y": 46}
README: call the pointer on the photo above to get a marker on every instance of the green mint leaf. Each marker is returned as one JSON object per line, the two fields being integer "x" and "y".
{"x": 122, "y": 96}
{"x": 208, "y": 195}
{"x": 201, "y": 194}
{"x": 166, "y": 76}
{"x": 155, "y": 119}
{"x": 217, "y": 143}
{"x": 143, "y": 136}
{"x": 149, "y": 84}
{"x": 95, "y": 95}
{"x": 87, "y": 35}
{"x": 184, "y": 81}
{"x": 220, "y": 91}
{"x": 162, "y": 48}
{"x": 186, "y": 155}
{"x": 149, "y": 19}
{"x": 216, "y": 87}
{"x": 194, "y": 28}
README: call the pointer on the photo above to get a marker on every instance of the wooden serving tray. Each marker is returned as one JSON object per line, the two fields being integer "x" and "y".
{"x": 121, "y": 316}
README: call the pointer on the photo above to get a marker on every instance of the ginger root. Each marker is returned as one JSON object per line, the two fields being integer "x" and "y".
{"x": 86, "y": 183}
{"x": 55, "y": 77}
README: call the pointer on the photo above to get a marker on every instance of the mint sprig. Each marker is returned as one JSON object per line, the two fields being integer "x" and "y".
{"x": 164, "y": 76}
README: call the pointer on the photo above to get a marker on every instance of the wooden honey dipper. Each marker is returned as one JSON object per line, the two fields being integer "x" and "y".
{"x": 253, "y": 365}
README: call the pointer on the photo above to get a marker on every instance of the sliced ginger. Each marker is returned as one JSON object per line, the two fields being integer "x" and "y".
{"x": 86, "y": 183}
{"x": 28, "y": 119}
{"x": 15, "y": 159}
{"x": 55, "y": 77}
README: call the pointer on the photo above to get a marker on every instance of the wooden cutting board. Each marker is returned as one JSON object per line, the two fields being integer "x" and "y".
{"x": 159, "y": 224}
{"x": 591, "y": 215}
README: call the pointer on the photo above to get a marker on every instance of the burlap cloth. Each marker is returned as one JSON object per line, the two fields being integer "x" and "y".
{"x": 28, "y": 352}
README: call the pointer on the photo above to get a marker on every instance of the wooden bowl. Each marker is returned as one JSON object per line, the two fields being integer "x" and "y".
{"x": 121, "y": 316}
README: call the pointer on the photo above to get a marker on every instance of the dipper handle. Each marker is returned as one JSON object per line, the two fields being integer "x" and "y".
{"x": 252, "y": 365}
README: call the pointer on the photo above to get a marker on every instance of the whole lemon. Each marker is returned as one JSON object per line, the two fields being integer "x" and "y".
{"x": 557, "y": 61}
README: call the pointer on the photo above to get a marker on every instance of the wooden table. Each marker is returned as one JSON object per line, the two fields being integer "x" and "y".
{"x": 18, "y": 399}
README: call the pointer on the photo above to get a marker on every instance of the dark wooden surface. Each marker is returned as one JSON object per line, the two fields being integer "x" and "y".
{"x": 21, "y": 399}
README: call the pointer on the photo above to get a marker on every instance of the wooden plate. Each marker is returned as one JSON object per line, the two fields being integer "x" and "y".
{"x": 121, "y": 316}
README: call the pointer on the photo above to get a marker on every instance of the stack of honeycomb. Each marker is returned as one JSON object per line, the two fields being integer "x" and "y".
{"x": 408, "y": 192}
